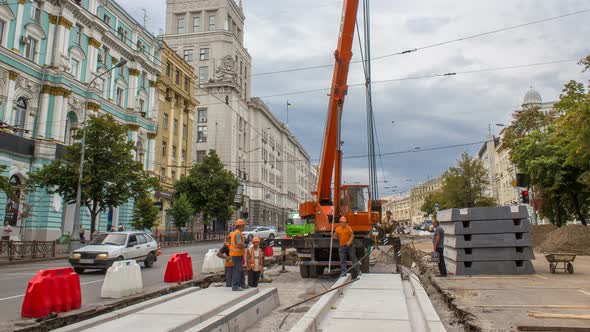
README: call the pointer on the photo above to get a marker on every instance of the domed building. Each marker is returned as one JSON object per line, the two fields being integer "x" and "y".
{"x": 532, "y": 99}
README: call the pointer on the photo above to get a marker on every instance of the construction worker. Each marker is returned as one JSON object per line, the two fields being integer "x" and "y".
{"x": 237, "y": 248}
{"x": 345, "y": 235}
{"x": 254, "y": 262}
{"x": 438, "y": 245}
{"x": 223, "y": 253}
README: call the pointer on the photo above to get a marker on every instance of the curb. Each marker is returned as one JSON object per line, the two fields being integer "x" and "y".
{"x": 35, "y": 260}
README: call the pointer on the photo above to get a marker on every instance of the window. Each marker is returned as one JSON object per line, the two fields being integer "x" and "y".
{"x": 184, "y": 130}
{"x": 19, "y": 116}
{"x": 173, "y": 174}
{"x": 202, "y": 116}
{"x": 204, "y": 54}
{"x": 181, "y": 25}
{"x": 122, "y": 70}
{"x": 177, "y": 72}
{"x": 106, "y": 19}
{"x": 173, "y": 152}
{"x": 35, "y": 12}
{"x": 201, "y": 134}
{"x": 119, "y": 97}
{"x": 187, "y": 84}
{"x": 140, "y": 239}
{"x": 183, "y": 156}
{"x": 175, "y": 127}
{"x": 74, "y": 67}
{"x": 212, "y": 23}
{"x": 196, "y": 24}
{"x": 164, "y": 149}
{"x": 203, "y": 74}
{"x": 31, "y": 49}
{"x": 140, "y": 152}
{"x": 100, "y": 84}
{"x": 141, "y": 105}
{"x": 201, "y": 155}
{"x": 168, "y": 69}
{"x": 78, "y": 34}
{"x": 165, "y": 120}
{"x": 2, "y": 25}
{"x": 188, "y": 55}
{"x": 162, "y": 173}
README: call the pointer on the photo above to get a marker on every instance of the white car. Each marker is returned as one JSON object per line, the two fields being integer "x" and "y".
{"x": 260, "y": 232}
{"x": 107, "y": 248}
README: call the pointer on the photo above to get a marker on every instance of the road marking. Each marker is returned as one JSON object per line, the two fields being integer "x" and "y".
{"x": 542, "y": 277}
{"x": 587, "y": 293}
{"x": 22, "y": 295}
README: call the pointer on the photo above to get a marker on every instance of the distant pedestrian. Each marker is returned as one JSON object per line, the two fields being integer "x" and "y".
{"x": 236, "y": 251}
{"x": 345, "y": 235}
{"x": 438, "y": 244}
{"x": 121, "y": 228}
{"x": 113, "y": 229}
{"x": 254, "y": 262}
{"x": 6, "y": 232}
{"x": 82, "y": 233}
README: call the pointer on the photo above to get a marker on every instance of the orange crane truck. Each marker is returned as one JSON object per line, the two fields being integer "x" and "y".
{"x": 319, "y": 250}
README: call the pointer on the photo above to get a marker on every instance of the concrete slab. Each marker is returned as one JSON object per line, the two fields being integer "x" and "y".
{"x": 242, "y": 315}
{"x": 489, "y": 267}
{"x": 370, "y": 304}
{"x": 489, "y": 254}
{"x": 376, "y": 325}
{"x": 483, "y": 213}
{"x": 178, "y": 314}
{"x": 489, "y": 240}
{"x": 486, "y": 226}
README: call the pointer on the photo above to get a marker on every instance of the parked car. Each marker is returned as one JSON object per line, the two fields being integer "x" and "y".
{"x": 261, "y": 232}
{"x": 107, "y": 248}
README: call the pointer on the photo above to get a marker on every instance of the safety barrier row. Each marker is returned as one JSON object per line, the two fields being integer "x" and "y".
{"x": 56, "y": 290}
{"x": 122, "y": 279}
{"x": 179, "y": 268}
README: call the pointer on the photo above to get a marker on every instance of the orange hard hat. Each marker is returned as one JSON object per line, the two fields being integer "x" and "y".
{"x": 343, "y": 219}
{"x": 240, "y": 222}
{"x": 256, "y": 240}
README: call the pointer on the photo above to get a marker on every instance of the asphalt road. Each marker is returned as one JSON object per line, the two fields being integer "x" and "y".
{"x": 15, "y": 278}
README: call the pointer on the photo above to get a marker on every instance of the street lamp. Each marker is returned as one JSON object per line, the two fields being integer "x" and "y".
{"x": 82, "y": 154}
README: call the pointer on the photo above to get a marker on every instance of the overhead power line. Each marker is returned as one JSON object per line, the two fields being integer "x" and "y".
{"x": 412, "y": 50}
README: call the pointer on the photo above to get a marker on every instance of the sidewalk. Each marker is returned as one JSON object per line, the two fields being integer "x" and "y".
{"x": 4, "y": 260}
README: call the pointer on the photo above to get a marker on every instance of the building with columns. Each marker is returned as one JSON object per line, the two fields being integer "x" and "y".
{"x": 177, "y": 105}
{"x": 249, "y": 139}
{"x": 50, "y": 50}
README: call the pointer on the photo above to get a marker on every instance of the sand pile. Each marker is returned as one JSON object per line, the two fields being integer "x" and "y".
{"x": 573, "y": 239}
{"x": 383, "y": 255}
{"x": 540, "y": 233}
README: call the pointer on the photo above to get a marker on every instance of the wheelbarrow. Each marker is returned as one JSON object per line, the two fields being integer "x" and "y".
{"x": 555, "y": 258}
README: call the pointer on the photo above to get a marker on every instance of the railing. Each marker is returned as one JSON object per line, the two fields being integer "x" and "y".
{"x": 171, "y": 239}
{"x": 27, "y": 249}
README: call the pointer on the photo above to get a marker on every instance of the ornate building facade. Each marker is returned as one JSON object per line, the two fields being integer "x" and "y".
{"x": 49, "y": 52}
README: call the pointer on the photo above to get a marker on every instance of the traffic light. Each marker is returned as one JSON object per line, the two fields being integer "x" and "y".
{"x": 525, "y": 196}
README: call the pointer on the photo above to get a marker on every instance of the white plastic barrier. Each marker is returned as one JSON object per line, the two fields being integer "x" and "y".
{"x": 212, "y": 263}
{"x": 122, "y": 279}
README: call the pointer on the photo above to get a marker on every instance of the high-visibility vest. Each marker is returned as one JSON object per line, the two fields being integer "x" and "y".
{"x": 228, "y": 263}
{"x": 234, "y": 251}
{"x": 250, "y": 259}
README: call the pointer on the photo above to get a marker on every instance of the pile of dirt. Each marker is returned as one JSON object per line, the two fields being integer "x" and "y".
{"x": 540, "y": 233}
{"x": 573, "y": 239}
{"x": 383, "y": 256}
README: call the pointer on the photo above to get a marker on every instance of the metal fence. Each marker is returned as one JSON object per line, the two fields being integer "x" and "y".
{"x": 27, "y": 249}
{"x": 172, "y": 239}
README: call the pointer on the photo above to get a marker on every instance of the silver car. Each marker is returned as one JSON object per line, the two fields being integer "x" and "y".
{"x": 261, "y": 232}
{"x": 107, "y": 248}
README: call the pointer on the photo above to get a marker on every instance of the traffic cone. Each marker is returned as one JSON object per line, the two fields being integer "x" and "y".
{"x": 159, "y": 249}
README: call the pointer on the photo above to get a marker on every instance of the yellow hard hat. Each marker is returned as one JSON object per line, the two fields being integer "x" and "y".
{"x": 240, "y": 222}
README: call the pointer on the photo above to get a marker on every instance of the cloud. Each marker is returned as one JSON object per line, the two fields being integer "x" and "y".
{"x": 431, "y": 112}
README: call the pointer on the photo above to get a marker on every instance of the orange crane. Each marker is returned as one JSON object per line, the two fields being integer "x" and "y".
{"x": 316, "y": 251}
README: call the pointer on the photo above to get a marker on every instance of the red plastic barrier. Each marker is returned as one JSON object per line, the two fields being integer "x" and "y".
{"x": 179, "y": 268}
{"x": 56, "y": 290}
{"x": 269, "y": 252}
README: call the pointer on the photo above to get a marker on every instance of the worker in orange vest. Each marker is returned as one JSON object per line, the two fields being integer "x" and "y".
{"x": 345, "y": 236}
{"x": 254, "y": 262}
{"x": 237, "y": 248}
{"x": 223, "y": 253}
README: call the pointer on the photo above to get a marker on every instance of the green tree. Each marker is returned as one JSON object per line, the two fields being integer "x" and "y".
{"x": 181, "y": 211}
{"x": 4, "y": 182}
{"x": 145, "y": 214}
{"x": 111, "y": 176}
{"x": 210, "y": 188}
{"x": 464, "y": 185}
{"x": 430, "y": 201}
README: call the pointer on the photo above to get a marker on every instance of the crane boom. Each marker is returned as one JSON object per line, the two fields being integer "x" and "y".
{"x": 330, "y": 164}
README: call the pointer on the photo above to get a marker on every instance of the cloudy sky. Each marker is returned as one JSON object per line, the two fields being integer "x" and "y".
{"x": 425, "y": 113}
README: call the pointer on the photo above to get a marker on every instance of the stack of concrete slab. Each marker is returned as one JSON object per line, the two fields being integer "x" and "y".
{"x": 494, "y": 240}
